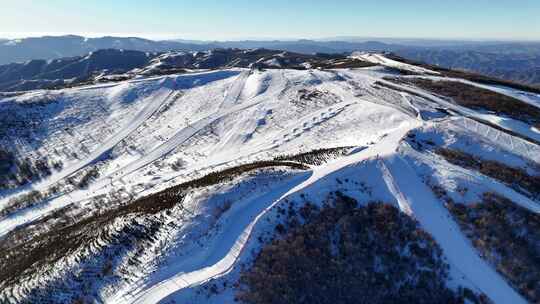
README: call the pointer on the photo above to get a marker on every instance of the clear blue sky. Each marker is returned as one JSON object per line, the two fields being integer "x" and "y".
{"x": 238, "y": 19}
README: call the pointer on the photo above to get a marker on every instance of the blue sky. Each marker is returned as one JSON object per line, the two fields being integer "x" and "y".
{"x": 239, "y": 19}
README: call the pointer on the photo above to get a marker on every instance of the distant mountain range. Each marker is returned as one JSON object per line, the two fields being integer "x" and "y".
{"x": 17, "y": 50}
{"x": 515, "y": 61}
{"x": 41, "y": 74}
{"x": 117, "y": 65}
{"x": 520, "y": 67}
{"x": 20, "y": 50}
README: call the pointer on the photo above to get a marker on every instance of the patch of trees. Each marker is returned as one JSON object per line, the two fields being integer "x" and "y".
{"x": 21, "y": 202}
{"x": 88, "y": 177}
{"x": 167, "y": 198}
{"x": 315, "y": 157}
{"x": 6, "y": 162}
{"x": 474, "y": 77}
{"x": 44, "y": 253}
{"x": 516, "y": 178}
{"x": 508, "y": 236}
{"x": 343, "y": 253}
{"x": 405, "y": 81}
{"x": 310, "y": 95}
{"x": 474, "y": 97}
{"x": 342, "y": 63}
{"x": 403, "y": 71}
{"x": 24, "y": 257}
{"x": 17, "y": 172}
{"x": 47, "y": 248}
{"x": 314, "y": 97}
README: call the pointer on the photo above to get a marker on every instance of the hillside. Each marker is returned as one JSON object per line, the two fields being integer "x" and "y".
{"x": 513, "y": 61}
{"x": 521, "y": 65}
{"x": 54, "y": 47}
{"x": 226, "y": 175}
{"x": 120, "y": 65}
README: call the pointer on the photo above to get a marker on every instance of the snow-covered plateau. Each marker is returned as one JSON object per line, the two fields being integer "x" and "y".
{"x": 165, "y": 189}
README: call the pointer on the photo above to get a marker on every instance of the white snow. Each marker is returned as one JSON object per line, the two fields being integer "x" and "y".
{"x": 219, "y": 119}
{"x": 421, "y": 202}
{"x": 380, "y": 59}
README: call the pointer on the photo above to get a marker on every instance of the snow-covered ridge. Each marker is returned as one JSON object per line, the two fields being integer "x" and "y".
{"x": 113, "y": 65}
{"x": 380, "y": 59}
{"x": 94, "y": 152}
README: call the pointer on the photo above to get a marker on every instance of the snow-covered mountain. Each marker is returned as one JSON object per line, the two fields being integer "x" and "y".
{"x": 270, "y": 177}
{"x": 55, "y": 47}
{"x": 513, "y": 61}
{"x": 118, "y": 65}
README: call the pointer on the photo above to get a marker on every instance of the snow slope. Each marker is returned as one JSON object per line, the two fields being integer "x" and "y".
{"x": 244, "y": 223}
{"x": 380, "y": 59}
{"x": 423, "y": 205}
{"x": 147, "y": 135}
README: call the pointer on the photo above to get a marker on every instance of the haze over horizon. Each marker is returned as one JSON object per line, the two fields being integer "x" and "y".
{"x": 241, "y": 19}
{"x": 174, "y": 37}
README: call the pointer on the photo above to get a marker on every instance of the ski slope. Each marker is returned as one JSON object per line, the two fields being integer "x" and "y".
{"x": 412, "y": 195}
{"x": 171, "y": 129}
{"x": 241, "y": 228}
{"x": 380, "y": 59}
{"x": 153, "y": 104}
{"x": 420, "y": 201}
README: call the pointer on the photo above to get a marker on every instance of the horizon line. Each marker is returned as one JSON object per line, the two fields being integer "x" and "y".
{"x": 169, "y": 37}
